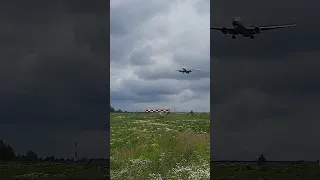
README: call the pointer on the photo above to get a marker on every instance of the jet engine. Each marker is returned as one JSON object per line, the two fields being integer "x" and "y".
{"x": 257, "y": 30}
{"x": 224, "y": 30}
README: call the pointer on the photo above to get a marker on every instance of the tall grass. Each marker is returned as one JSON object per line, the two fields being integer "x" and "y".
{"x": 153, "y": 146}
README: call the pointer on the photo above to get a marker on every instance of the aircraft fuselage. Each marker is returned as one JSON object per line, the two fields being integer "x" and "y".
{"x": 239, "y": 28}
{"x": 184, "y": 70}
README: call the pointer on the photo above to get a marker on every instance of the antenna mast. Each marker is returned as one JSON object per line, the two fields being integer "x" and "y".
{"x": 76, "y": 152}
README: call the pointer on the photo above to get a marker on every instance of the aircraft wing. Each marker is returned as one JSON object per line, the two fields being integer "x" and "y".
{"x": 266, "y": 28}
{"x": 197, "y": 69}
{"x": 223, "y": 29}
{"x": 216, "y": 28}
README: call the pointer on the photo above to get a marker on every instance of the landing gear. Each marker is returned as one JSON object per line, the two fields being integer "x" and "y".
{"x": 251, "y": 37}
{"x": 233, "y": 37}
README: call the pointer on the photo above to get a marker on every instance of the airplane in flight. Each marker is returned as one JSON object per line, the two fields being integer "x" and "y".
{"x": 184, "y": 70}
{"x": 239, "y": 28}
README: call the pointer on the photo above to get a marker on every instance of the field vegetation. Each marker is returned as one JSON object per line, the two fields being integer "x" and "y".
{"x": 29, "y": 166}
{"x": 51, "y": 171}
{"x": 160, "y": 146}
{"x": 266, "y": 171}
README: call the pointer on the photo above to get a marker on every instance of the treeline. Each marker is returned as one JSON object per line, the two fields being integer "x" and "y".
{"x": 119, "y": 110}
{"x": 7, "y": 153}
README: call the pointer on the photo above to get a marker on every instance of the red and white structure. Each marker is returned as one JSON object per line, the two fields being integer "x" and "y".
{"x": 157, "y": 110}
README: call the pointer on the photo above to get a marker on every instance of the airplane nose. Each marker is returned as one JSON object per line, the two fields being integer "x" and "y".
{"x": 236, "y": 19}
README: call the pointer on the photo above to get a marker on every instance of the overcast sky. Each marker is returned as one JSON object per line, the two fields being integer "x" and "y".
{"x": 54, "y": 73}
{"x": 54, "y": 77}
{"x": 149, "y": 41}
{"x": 265, "y": 93}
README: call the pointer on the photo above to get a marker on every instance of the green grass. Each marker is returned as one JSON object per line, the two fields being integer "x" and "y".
{"x": 149, "y": 146}
{"x": 265, "y": 172}
{"x": 49, "y": 171}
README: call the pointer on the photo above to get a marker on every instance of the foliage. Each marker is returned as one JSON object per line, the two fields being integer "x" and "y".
{"x": 51, "y": 171}
{"x": 111, "y": 109}
{"x": 6, "y": 152}
{"x": 262, "y": 159}
{"x": 49, "y": 168}
{"x": 254, "y": 171}
{"x": 31, "y": 156}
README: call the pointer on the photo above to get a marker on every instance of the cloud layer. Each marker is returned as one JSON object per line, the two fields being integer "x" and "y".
{"x": 54, "y": 77}
{"x": 265, "y": 92}
{"x": 149, "y": 40}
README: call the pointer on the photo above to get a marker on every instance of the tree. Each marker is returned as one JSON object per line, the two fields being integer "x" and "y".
{"x": 6, "y": 152}
{"x": 2, "y": 145}
{"x": 52, "y": 158}
{"x": 31, "y": 155}
{"x": 9, "y": 154}
{"x": 111, "y": 109}
{"x": 262, "y": 159}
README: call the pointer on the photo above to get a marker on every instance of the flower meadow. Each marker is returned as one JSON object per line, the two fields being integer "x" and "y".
{"x": 160, "y": 146}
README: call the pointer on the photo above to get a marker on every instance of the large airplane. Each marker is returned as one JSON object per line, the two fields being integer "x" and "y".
{"x": 239, "y": 28}
{"x": 184, "y": 70}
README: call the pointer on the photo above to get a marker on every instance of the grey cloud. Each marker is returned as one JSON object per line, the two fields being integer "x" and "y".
{"x": 140, "y": 57}
{"x": 54, "y": 75}
{"x": 203, "y": 7}
{"x": 147, "y": 91}
{"x": 152, "y": 87}
{"x": 191, "y": 60}
{"x": 202, "y": 85}
{"x": 126, "y": 17}
{"x": 130, "y": 97}
{"x": 150, "y": 74}
{"x": 150, "y": 49}
{"x": 265, "y": 92}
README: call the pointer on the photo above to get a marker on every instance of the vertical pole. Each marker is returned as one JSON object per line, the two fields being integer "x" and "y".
{"x": 76, "y": 153}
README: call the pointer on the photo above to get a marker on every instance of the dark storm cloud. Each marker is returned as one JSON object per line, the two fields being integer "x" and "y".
{"x": 58, "y": 141}
{"x": 302, "y": 38}
{"x": 265, "y": 91}
{"x": 54, "y": 73}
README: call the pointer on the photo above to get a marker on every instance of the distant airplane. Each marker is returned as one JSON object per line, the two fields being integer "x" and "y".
{"x": 184, "y": 70}
{"x": 239, "y": 28}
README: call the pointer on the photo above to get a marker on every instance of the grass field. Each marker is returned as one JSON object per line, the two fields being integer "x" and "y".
{"x": 52, "y": 171}
{"x": 160, "y": 146}
{"x": 265, "y": 172}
